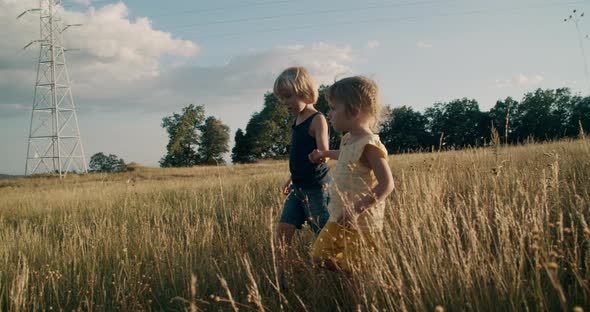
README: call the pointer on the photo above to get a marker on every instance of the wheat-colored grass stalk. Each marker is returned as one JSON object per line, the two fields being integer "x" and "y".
{"x": 471, "y": 230}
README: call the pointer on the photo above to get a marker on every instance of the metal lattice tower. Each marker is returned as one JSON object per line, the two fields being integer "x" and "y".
{"x": 55, "y": 145}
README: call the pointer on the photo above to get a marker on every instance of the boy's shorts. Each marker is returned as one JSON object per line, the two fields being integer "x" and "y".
{"x": 306, "y": 205}
{"x": 344, "y": 247}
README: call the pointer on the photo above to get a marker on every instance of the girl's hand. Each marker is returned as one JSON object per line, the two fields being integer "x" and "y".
{"x": 358, "y": 207}
{"x": 317, "y": 157}
{"x": 346, "y": 219}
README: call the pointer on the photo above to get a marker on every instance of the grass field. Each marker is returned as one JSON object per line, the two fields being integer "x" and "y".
{"x": 496, "y": 229}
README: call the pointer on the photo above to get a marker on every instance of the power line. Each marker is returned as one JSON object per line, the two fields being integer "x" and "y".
{"x": 386, "y": 19}
{"x": 187, "y": 12}
{"x": 366, "y": 21}
{"x": 356, "y": 9}
{"x": 72, "y": 5}
{"x": 251, "y": 4}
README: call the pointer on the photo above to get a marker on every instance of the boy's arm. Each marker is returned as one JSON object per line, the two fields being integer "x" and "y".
{"x": 385, "y": 184}
{"x": 286, "y": 187}
{"x": 319, "y": 127}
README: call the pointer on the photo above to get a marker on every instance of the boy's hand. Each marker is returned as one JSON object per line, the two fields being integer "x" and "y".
{"x": 317, "y": 157}
{"x": 286, "y": 189}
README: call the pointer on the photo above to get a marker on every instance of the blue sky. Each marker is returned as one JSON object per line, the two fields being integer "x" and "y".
{"x": 141, "y": 60}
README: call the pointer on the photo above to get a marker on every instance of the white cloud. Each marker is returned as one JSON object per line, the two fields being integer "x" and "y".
{"x": 118, "y": 69}
{"x": 243, "y": 80}
{"x": 567, "y": 83}
{"x": 373, "y": 44}
{"x": 423, "y": 45}
{"x": 107, "y": 35}
{"x": 114, "y": 50}
{"x": 119, "y": 62}
{"x": 128, "y": 50}
{"x": 519, "y": 80}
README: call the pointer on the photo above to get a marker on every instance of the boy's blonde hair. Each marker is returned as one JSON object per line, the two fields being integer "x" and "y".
{"x": 361, "y": 93}
{"x": 297, "y": 81}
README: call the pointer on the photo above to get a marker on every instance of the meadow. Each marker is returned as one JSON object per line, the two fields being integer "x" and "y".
{"x": 489, "y": 229}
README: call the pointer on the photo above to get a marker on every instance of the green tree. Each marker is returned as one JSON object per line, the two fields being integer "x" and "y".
{"x": 404, "y": 130}
{"x": 322, "y": 106}
{"x": 100, "y": 162}
{"x": 242, "y": 151}
{"x": 184, "y": 137}
{"x": 579, "y": 115}
{"x": 543, "y": 114}
{"x": 268, "y": 132}
{"x": 502, "y": 116}
{"x": 461, "y": 122}
{"x": 214, "y": 142}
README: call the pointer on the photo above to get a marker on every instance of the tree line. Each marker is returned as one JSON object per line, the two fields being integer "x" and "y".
{"x": 542, "y": 115}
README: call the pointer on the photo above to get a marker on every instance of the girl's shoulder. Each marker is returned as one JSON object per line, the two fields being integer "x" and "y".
{"x": 370, "y": 141}
{"x": 375, "y": 141}
{"x": 360, "y": 141}
{"x": 353, "y": 151}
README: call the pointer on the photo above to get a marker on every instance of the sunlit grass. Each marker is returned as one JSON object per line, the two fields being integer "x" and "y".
{"x": 483, "y": 229}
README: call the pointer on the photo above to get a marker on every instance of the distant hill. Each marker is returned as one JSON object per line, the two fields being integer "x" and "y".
{"x": 8, "y": 176}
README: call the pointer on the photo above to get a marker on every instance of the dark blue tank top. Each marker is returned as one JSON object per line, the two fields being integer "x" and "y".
{"x": 304, "y": 173}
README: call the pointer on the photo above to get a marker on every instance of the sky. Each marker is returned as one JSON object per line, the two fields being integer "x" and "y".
{"x": 138, "y": 61}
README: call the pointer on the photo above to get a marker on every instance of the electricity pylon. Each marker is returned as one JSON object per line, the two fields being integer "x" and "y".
{"x": 55, "y": 145}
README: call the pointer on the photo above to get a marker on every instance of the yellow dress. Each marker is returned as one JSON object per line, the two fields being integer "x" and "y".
{"x": 351, "y": 180}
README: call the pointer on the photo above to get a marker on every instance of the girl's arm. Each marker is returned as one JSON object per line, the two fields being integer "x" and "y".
{"x": 385, "y": 184}
{"x": 321, "y": 157}
{"x": 332, "y": 154}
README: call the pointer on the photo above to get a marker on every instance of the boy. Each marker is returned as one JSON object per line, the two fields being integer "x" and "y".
{"x": 307, "y": 189}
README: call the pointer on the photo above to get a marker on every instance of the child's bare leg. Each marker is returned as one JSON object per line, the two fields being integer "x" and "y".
{"x": 285, "y": 232}
{"x": 284, "y": 238}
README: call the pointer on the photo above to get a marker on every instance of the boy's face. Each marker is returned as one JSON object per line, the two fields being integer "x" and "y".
{"x": 294, "y": 103}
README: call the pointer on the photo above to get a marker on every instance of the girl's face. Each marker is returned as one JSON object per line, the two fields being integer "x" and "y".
{"x": 294, "y": 103}
{"x": 339, "y": 117}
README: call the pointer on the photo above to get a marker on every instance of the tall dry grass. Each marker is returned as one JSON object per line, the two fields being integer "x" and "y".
{"x": 495, "y": 229}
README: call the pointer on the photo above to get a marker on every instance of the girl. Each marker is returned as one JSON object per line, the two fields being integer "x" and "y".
{"x": 362, "y": 177}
